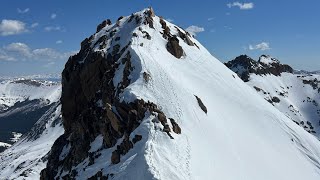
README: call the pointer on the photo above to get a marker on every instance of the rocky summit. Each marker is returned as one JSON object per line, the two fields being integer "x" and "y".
{"x": 92, "y": 101}
{"x": 243, "y": 65}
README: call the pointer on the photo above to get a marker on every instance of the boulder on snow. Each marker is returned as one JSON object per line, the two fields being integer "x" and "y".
{"x": 174, "y": 48}
{"x": 115, "y": 157}
{"x": 175, "y": 127}
{"x": 202, "y": 106}
{"x": 275, "y": 99}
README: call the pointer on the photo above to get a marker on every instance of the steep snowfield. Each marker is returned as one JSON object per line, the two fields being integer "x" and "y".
{"x": 241, "y": 137}
{"x": 297, "y": 100}
{"x": 294, "y": 93}
{"x": 22, "y": 102}
{"x": 26, "y": 158}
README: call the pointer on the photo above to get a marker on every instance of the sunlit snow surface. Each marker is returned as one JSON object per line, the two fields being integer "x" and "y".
{"x": 241, "y": 137}
{"x": 299, "y": 101}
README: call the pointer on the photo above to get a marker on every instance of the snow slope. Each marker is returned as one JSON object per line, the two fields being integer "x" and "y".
{"x": 241, "y": 136}
{"x": 298, "y": 101}
{"x": 297, "y": 94}
{"x": 22, "y": 102}
{"x": 26, "y": 158}
{"x": 23, "y": 99}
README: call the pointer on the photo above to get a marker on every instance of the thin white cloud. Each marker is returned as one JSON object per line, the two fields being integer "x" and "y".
{"x": 18, "y": 48}
{"x": 53, "y": 16}
{"x": 12, "y": 27}
{"x": 228, "y": 14}
{"x": 170, "y": 20}
{"x": 228, "y": 27}
{"x": 262, "y": 46}
{"x": 53, "y": 28}
{"x": 211, "y": 18}
{"x": 242, "y": 6}
{"x": 23, "y": 11}
{"x": 59, "y": 42}
{"x": 193, "y": 30}
{"x": 33, "y": 25}
{"x": 22, "y": 52}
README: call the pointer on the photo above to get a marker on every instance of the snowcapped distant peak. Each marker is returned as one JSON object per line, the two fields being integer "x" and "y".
{"x": 244, "y": 65}
{"x": 268, "y": 60}
{"x": 21, "y": 89}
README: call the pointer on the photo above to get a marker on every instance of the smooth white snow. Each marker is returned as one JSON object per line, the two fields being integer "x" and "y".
{"x": 241, "y": 137}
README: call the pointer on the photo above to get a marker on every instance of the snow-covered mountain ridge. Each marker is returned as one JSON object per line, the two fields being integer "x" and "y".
{"x": 295, "y": 93}
{"x": 143, "y": 99}
{"x": 28, "y": 103}
{"x": 21, "y": 89}
{"x": 22, "y": 103}
{"x": 244, "y": 66}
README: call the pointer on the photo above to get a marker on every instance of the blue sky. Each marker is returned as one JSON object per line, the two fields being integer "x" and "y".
{"x": 37, "y": 36}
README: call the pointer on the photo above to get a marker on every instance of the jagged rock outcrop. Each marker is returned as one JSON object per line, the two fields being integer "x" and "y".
{"x": 174, "y": 48}
{"x": 91, "y": 103}
{"x": 103, "y": 24}
{"x": 244, "y": 65}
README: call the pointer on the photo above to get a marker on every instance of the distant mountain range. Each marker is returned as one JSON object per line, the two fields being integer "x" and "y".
{"x": 22, "y": 102}
{"x": 49, "y": 77}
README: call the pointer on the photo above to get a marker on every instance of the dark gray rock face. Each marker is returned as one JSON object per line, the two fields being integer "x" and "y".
{"x": 244, "y": 65}
{"x": 174, "y": 48}
{"x": 202, "y": 106}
